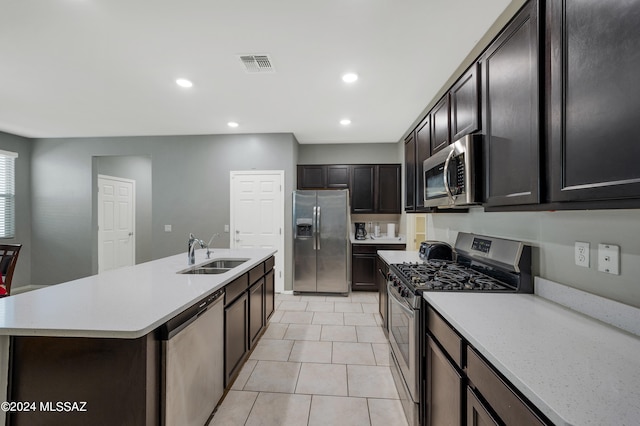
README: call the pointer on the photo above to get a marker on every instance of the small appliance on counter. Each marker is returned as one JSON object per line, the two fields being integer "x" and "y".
{"x": 435, "y": 250}
{"x": 361, "y": 232}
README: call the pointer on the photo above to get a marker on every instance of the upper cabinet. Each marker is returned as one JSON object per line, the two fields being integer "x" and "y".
{"x": 594, "y": 100}
{"x": 440, "y": 137}
{"x": 374, "y": 188}
{"x": 410, "y": 173}
{"x": 423, "y": 151}
{"x": 319, "y": 176}
{"x": 511, "y": 124}
{"x": 465, "y": 104}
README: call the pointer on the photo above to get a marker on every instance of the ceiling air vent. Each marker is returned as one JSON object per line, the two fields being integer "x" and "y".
{"x": 257, "y": 63}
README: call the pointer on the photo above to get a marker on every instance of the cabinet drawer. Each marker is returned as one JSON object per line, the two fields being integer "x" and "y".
{"x": 511, "y": 409}
{"x": 363, "y": 249}
{"x": 235, "y": 288}
{"x": 269, "y": 264}
{"x": 256, "y": 273}
{"x": 445, "y": 335}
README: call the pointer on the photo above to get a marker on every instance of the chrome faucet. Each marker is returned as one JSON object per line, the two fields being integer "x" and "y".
{"x": 191, "y": 245}
{"x": 209, "y": 251}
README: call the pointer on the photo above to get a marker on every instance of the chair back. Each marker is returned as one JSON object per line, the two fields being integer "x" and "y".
{"x": 8, "y": 259}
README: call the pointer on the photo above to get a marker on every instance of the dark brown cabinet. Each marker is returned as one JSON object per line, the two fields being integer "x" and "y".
{"x": 256, "y": 311}
{"x": 440, "y": 136}
{"x": 460, "y": 387}
{"x": 423, "y": 151}
{"x": 387, "y": 196}
{"x": 236, "y": 336}
{"x": 364, "y": 272}
{"x": 465, "y": 104}
{"x": 323, "y": 176}
{"x": 363, "y": 189}
{"x": 269, "y": 293}
{"x": 410, "y": 173}
{"x": 444, "y": 387}
{"x": 511, "y": 125}
{"x": 594, "y": 99}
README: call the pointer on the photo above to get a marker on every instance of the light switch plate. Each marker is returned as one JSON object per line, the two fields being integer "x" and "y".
{"x": 167, "y": 228}
{"x": 609, "y": 259}
{"x": 582, "y": 254}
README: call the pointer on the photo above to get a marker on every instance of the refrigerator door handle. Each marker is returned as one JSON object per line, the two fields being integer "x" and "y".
{"x": 315, "y": 229}
{"x": 318, "y": 219}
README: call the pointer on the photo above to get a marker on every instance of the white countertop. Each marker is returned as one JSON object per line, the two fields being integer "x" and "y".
{"x": 383, "y": 239}
{"x": 122, "y": 303}
{"x": 399, "y": 256}
{"x": 575, "y": 369}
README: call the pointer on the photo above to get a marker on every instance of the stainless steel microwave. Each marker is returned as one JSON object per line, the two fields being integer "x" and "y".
{"x": 453, "y": 176}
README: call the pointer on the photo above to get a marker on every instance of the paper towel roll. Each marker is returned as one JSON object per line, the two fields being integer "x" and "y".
{"x": 391, "y": 230}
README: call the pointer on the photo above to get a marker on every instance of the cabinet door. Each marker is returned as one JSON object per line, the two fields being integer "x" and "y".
{"x": 464, "y": 104}
{"x": 440, "y": 136}
{"x": 423, "y": 151}
{"x": 338, "y": 176}
{"x": 362, "y": 189}
{"x": 312, "y": 177}
{"x": 269, "y": 294}
{"x": 595, "y": 99}
{"x": 410, "y": 173}
{"x": 443, "y": 388}
{"x": 363, "y": 267}
{"x": 256, "y": 311}
{"x": 388, "y": 188}
{"x": 511, "y": 113}
{"x": 477, "y": 413}
{"x": 235, "y": 336}
{"x": 382, "y": 269}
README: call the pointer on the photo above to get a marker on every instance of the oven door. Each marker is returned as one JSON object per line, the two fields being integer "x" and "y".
{"x": 403, "y": 339}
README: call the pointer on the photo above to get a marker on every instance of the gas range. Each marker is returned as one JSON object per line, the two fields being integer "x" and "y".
{"x": 483, "y": 264}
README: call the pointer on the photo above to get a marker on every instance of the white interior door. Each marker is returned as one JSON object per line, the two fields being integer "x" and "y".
{"x": 116, "y": 222}
{"x": 257, "y": 214}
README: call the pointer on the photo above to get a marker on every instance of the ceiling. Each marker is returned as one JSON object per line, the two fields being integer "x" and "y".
{"x": 80, "y": 68}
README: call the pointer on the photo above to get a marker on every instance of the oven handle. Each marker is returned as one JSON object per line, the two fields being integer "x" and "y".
{"x": 445, "y": 178}
{"x": 400, "y": 302}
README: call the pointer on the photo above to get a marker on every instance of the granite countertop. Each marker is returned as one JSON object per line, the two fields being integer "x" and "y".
{"x": 575, "y": 369}
{"x": 123, "y": 303}
{"x": 399, "y": 256}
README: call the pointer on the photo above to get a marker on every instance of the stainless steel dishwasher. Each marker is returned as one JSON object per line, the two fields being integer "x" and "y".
{"x": 193, "y": 363}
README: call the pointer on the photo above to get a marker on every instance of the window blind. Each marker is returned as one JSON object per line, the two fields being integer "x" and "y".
{"x": 7, "y": 194}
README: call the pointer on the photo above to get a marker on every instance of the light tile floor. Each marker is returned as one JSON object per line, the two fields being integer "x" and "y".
{"x": 322, "y": 361}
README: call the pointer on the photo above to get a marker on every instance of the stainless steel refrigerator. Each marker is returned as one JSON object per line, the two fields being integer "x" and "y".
{"x": 321, "y": 245}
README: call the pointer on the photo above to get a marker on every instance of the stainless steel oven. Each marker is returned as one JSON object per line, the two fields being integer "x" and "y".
{"x": 404, "y": 326}
{"x": 452, "y": 176}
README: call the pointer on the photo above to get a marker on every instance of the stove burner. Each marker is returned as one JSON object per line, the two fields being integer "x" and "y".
{"x": 446, "y": 275}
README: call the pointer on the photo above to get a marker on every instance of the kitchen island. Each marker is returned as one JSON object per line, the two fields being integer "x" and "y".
{"x": 94, "y": 339}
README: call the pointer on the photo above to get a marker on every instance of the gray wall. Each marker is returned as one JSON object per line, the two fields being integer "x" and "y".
{"x": 137, "y": 168}
{"x": 554, "y": 234}
{"x": 190, "y": 191}
{"x": 22, "y": 146}
{"x": 352, "y": 153}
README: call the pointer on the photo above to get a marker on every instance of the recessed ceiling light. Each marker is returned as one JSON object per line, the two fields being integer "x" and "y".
{"x": 183, "y": 82}
{"x": 350, "y": 77}
{"x": 345, "y": 122}
{"x": 232, "y": 124}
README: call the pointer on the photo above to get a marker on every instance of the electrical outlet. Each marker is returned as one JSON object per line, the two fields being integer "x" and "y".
{"x": 167, "y": 228}
{"x": 609, "y": 259}
{"x": 582, "y": 254}
{"x": 226, "y": 228}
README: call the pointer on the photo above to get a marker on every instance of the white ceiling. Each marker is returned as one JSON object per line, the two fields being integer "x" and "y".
{"x": 75, "y": 68}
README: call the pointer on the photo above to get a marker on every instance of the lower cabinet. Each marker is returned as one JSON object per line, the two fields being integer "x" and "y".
{"x": 249, "y": 303}
{"x": 461, "y": 387}
{"x": 256, "y": 311}
{"x": 364, "y": 271}
{"x": 236, "y": 333}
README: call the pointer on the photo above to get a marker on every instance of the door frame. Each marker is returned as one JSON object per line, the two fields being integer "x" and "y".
{"x": 133, "y": 215}
{"x": 279, "y": 257}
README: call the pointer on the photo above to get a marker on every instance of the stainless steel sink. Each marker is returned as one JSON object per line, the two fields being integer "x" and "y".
{"x": 224, "y": 263}
{"x": 218, "y": 266}
{"x": 202, "y": 270}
